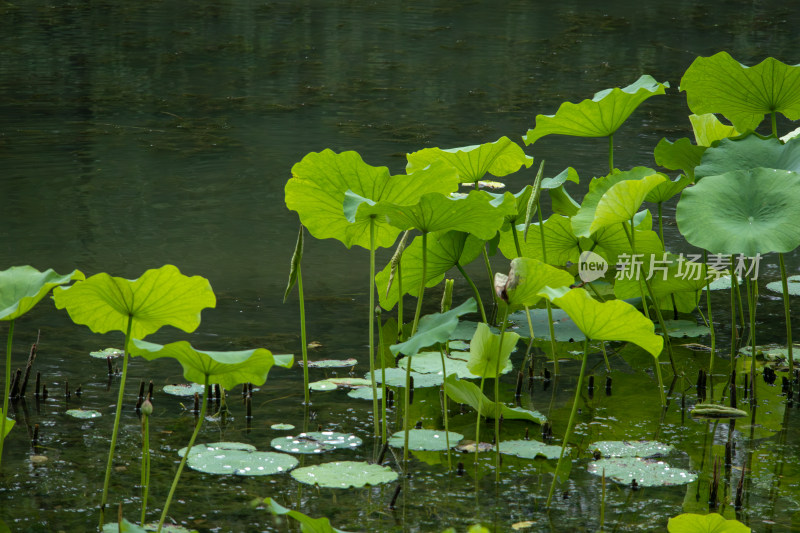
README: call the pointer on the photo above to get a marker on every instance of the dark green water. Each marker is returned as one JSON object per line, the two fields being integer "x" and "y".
{"x": 135, "y": 134}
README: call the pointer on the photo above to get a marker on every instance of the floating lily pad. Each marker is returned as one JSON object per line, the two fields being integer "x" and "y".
{"x": 331, "y": 363}
{"x": 458, "y": 345}
{"x": 792, "y": 283}
{"x": 365, "y": 393}
{"x": 468, "y": 446}
{"x": 106, "y": 353}
{"x": 684, "y": 328}
{"x": 241, "y": 462}
{"x": 345, "y": 474}
{"x": 315, "y": 442}
{"x": 396, "y": 377}
{"x": 465, "y": 330}
{"x": 83, "y": 413}
{"x": 184, "y": 389}
{"x": 128, "y": 527}
{"x": 530, "y": 449}
{"x": 456, "y": 363}
{"x": 564, "y": 328}
{"x": 771, "y": 352}
{"x": 646, "y": 472}
{"x": 335, "y": 383}
{"x": 711, "y": 410}
{"x": 282, "y": 427}
{"x": 217, "y": 446}
{"x": 623, "y": 448}
{"x": 723, "y": 282}
{"x": 425, "y": 439}
{"x": 710, "y": 523}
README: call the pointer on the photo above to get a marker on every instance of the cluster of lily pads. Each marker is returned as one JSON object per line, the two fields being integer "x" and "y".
{"x": 739, "y": 199}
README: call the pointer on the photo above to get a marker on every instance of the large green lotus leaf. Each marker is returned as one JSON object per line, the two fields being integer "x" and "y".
{"x": 21, "y": 287}
{"x": 521, "y": 200}
{"x": 470, "y": 394}
{"x": 748, "y": 212}
{"x": 668, "y": 275}
{"x": 669, "y": 188}
{"x": 486, "y": 354}
{"x": 710, "y": 523}
{"x": 425, "y": 439}
{"x": 319, "y": 182}
{"x": 445, "y": 250}
{"x": 228, "y": 369}
{"x": 708, "y": 129}
{"x": 622, "y": 201}
{"x": 345, "y": 474}
{"x": 527, "y": 277}
{"x": 679, "y": 155}
{"x": 530, "y": 449}
{"x": 477, "y": 213}
{"x": 307, "y": 524}
{"x": 561, "y": 244}
{"x": 626, "y": 448}
{"x": 455, "y": 362}
{"x": 241, "y": 462}
{"x": 646, "y": 472}
{"x": 599, "y": 117}
{"x": 499, "y": 158}
{"x": 613, "y": 320}
{"x": 568, "y": 174}
{"x": 9, "y": 424}
{"x": 720, "y": 84}
{"x": 161, "y": 297}
{"x": 582, "y": 221}
{"x": 752, "y": 151}
{"x": 434, "y": 329}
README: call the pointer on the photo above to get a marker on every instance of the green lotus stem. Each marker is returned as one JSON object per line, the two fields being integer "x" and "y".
{"x": 117, "y": 416}
{"x": 787, "y": 314}
{"x": 751, "y": 303}
{"x": 182, "y": 464}
{"x": 610, "y": 155}
{"x": 422, "y": 282}
{"x": 547, "y": 305}
{"x": 527, "y": 309}
{"x": 774, "y": 124}
{"x": 383, "y": 379}
{"x": 497, "y": 398}
{"x": 406, "y": 407}
{"x": 375, "y": 415}
{"x": 400, "y": 300}
{"x": 734, "y": 327}
{"x": 710, "y": 320}
{"x": 491, "y": 277}
{"x": 7, "y": 387}
{"x": 578, "y": 389}
{"x": 605, "y": 355}
{"x": 478, "y": 423}
{"x": 475, "y": 291}
{"x": 303, "y": 340}
{"x": 145, "y": 477}
{"x": 444, "y": 411}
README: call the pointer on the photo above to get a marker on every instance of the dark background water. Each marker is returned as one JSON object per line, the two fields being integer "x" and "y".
{"x": 134, "y": 134}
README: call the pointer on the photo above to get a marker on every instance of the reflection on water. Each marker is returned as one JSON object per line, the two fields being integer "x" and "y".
{"x": 134, "y": 134}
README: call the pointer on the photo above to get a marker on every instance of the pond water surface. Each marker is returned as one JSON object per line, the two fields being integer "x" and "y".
{"x": 136, "y": 134}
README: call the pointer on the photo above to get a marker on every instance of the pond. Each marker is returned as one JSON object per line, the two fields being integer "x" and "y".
{"x": 135, "y": 135}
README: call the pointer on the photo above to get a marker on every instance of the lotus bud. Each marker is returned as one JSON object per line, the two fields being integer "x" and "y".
{"x": 147, "y": 407}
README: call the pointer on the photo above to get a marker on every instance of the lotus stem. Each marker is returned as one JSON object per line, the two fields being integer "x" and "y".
{"x": 734, "y": 327}
{"x": 117, "y": 416}
{"x": 774, "y": 123}
{"x": 527, "y": 310}
{"x": 475, "y": 291}
{"x": 478, "y": 423}
{"x": 182, "y": 464}
{"x": 710, "y": 321}
{"x": 444, "y": 411}
{"x": 547, "y": 305}
{"x": 611, "y": 153}
{"x": 400, "y": 300}
{"x": 145, "y": 477}
{"x": 6, "y": 388}
{"x": 497, "y": 397}
{"x": 752, "y": 294}
{"x": 787, "y": 314}
{"x": 303, "y": 339}
{"x": 578, "y": 389}
{"x": 491, "y": 277}
{"x": 375, "y": 415}
{"x": 421, "y": 292}
{"x": 384, "y": 438}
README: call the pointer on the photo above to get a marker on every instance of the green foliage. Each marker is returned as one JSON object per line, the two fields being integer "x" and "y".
{"x": 710, "y": 523}
{"x": 22, "y": 287}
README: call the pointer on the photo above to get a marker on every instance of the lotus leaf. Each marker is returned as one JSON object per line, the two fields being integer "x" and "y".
{"x": 83, "y": 413}
{"x": 710, "y": 523}
{"x": 599, "y": 117}
{"x": 8, "y": 425}
{"x": 564, "y": 328}
{"x": 24, "y": 286}
{"x": 159, "y": 297}
{"x": 434, "y": 328}
{"x": 466, "y": 330}
{"x": 526, "y": 278}
{"x": 345, "y": 474}
{"x": 319, "y": 182}
{"x": 241, "y": 462}
{"x": 425, "y": 439}
{"x": 710, "y": 410}
{"x": 667, "y": 189}
{"x": 720, "y": 84}
{"x": 282, "y": 427}
{"x": 708, "y": 129}
{"x": 331, "y": 363}
{"x": 752, "y": 151}
{"x": 646, "y": 472}
{"x": 746, "y": 212}
{"x": 469, "y": 393}
{"x": 613, "y": 320}
{"x": 218, "y": 446}
{"x": 227, "y": 369}
{"x": 622, "y": 200}
{"x": 486, "y": 354}
{"x": 106, "y": 353}
{"x": 530, "y": 449}
{"x": 335, "y": 383}
{"x": 365, "y": 393}
{"x": 681, "y": 154}
{"x": 315, "y": 442}
{"x": 625, "y": 448}
{"x": 793, "y": 284}
{"x": 456, "y": 363}
{"x": 684, "y": 328}
{"x": 307, "y": 524}
{"x": 184, "y": 389}
{"x": 396, "y": 377}
{"x": 498, "y": 158}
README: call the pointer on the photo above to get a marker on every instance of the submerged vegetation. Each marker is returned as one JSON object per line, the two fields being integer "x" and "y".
{"x": 591, "y": 282}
